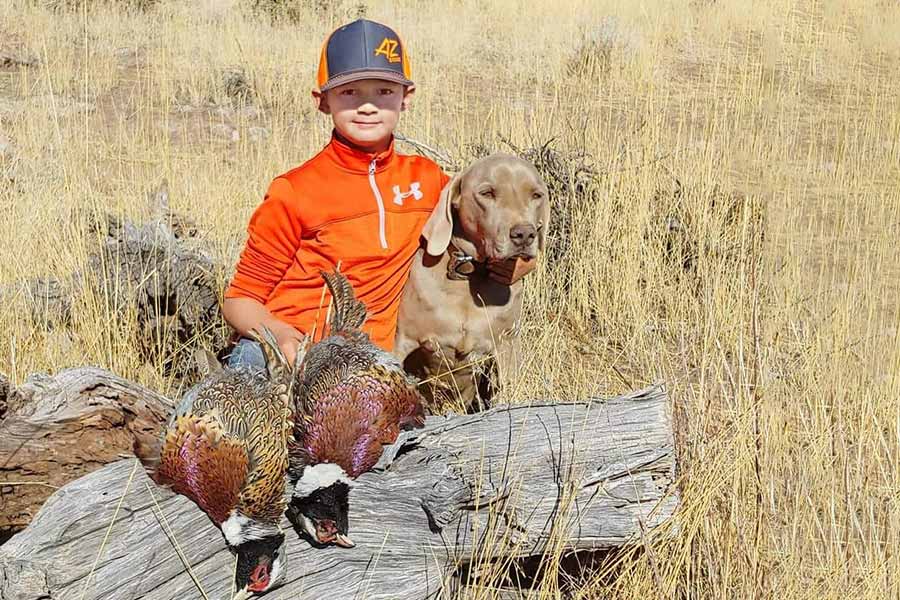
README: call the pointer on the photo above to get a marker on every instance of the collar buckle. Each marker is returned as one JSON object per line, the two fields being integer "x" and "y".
{"x": 461, "y": 266}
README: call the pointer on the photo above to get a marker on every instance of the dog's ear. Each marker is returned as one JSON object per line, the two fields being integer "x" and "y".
{"x": 439, "y": 226}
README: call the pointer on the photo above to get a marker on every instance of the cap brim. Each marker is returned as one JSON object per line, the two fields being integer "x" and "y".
{"x": 351, "y": 76}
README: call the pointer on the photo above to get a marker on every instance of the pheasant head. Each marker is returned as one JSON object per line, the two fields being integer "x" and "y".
{"x": 321, "y": 503}
{"x": 261, "y": 555}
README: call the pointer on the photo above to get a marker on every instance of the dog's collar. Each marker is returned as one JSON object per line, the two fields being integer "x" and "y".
{"x": 462, "y": 266}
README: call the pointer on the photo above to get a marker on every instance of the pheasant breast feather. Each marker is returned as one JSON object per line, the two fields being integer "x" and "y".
{"x": 352, "y": 397}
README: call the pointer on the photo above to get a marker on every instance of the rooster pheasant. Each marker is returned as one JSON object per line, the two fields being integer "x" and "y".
{"x": 351, "y": 399}
{"x": 225, "y": 448}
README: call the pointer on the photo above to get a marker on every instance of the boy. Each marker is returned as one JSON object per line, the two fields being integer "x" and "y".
{"x": 356, "y": 203}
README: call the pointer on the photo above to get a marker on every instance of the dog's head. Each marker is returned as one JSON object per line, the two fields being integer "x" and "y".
{"x": 499, "y": 204}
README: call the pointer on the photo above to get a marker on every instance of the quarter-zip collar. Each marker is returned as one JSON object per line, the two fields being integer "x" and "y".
{"x": 369, "y": 164}
{"x": 358, "y": 161}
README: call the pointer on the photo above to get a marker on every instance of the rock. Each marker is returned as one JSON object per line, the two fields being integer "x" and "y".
{"x": 7, "y": 107}
{"x": 611, "y": 33}
{"x": 237, "y": 86}
{"x": 65, "y": 106}
{"x": 9, "y": 61}
{"x": 602, "y": 46}
{"x": 127, "y": 57}
{"x": 247, "y": 112}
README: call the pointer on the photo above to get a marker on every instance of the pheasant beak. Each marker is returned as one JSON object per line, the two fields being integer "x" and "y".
{"x": 242, "y": 594}
{"x": 328, "y": 533}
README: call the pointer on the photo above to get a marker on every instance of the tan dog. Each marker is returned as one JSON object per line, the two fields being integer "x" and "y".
{"x": 456, "y": 314}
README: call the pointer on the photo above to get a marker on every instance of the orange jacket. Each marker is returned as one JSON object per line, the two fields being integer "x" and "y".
{"x": 364, "y": 210}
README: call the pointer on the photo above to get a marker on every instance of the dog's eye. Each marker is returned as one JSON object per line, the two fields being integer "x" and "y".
{"x": 537, "y": 196}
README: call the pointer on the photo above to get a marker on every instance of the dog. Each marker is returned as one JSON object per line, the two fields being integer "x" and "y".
{"x": 459, "y": 312}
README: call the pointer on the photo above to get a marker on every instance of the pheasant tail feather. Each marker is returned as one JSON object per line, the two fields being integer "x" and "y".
{"x": 347, "y": 312}
{"x": 276, "y": 362}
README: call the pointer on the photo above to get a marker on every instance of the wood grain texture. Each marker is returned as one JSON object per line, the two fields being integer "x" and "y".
{"x": 494, "y": 484}
{"x": 62, "y": 427}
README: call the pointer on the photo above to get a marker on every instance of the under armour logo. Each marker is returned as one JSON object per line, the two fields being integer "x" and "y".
{"x": 413, "y": 191}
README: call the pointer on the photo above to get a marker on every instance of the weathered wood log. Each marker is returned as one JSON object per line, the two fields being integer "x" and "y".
{"x": 60, "y": 428}
{"x": 156, "y": 272}
{"x": 513, "y": 481}
{"x": 160, "y": 272}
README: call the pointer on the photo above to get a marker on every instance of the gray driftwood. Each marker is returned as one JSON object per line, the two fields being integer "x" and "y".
{"x": 60, "y": 428}
{"x": 503, "y": 483}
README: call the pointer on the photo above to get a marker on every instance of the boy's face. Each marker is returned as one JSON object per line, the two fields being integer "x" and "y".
{"x": 365, "y": 112}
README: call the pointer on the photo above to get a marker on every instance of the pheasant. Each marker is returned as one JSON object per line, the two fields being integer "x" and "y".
{"x": 351, "y": 398}
{"x": 225, "y": 448}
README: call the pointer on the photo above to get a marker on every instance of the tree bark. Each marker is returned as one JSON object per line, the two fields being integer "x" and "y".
{"x": 60, "y": 428}
{"x": 460, "y": 493}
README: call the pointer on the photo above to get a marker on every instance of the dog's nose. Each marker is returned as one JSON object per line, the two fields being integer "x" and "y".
{"x": 522, "y": 234}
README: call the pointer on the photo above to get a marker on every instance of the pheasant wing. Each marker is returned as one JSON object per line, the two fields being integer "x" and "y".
{"x": 267, "y": 440}
{"x": 201, "y": 460}
{"x": 392, "y": 403}
{"x": 401, "y": 403}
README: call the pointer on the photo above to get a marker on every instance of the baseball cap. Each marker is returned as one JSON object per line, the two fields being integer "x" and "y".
{"x": 362, "y": 49}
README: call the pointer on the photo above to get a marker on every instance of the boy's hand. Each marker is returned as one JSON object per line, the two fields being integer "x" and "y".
{"x": 246, "y": 314}
{"x": 510, "y": 271}
{"x": 288, "y": 339}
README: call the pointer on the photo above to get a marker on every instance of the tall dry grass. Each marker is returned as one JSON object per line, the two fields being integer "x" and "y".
{"x": 739, "y": 241}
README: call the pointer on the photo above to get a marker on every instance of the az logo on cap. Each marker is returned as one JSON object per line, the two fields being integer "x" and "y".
{"x": 388, "y": 49}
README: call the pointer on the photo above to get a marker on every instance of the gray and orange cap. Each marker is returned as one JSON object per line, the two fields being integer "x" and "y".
{"x": 363, "y": 49}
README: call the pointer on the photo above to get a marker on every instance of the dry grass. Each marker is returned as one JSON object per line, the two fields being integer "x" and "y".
{"x": 739, "y": 241}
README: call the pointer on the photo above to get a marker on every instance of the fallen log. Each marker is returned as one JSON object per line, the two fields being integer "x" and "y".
{"x": 461, "y": 493}
{"x": 162, "y": 276}
{"x": 157, "y": 275}
{"x": 60, "y": 428}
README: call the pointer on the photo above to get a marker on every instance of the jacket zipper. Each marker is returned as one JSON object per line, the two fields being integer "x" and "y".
{"x": 380, "y": 202}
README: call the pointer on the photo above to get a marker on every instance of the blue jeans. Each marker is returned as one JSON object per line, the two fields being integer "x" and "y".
{"x": 247, "y": 352}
